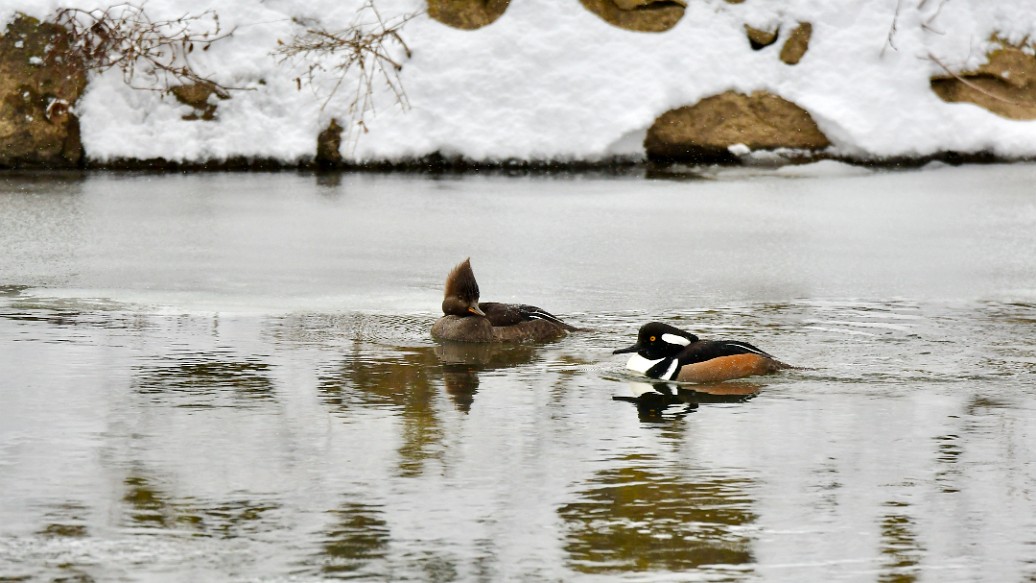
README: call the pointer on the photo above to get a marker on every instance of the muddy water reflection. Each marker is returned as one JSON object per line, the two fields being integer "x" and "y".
{"x": 198, "y": 380}
{"x": 147, "y": 507}
{"x": 899, "y": 545}
{"x": 356, "y": 542}
{"x": 439, "y": 458}
{"x": 639, "y": 517}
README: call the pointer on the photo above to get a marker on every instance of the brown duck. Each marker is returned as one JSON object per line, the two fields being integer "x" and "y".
{"x": 467, "y": 320}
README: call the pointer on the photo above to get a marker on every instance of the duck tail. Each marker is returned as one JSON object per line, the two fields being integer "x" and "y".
{"x": 778, "y": 365}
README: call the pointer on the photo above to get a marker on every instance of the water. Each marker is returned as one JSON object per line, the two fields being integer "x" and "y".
{"x": 228, "y": 377}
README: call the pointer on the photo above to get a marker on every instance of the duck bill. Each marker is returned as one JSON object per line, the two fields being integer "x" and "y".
{"x": 476, "y": 310}
{"x": 634, "y": 348}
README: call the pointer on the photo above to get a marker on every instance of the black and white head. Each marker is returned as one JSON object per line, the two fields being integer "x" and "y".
{"x": 657, "y": 350}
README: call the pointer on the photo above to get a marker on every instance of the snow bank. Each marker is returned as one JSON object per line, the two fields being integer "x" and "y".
{"x": 549, "y": 80}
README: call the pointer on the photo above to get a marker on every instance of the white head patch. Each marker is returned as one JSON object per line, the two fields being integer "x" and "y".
{"x": 674, "y": 339}
{"x": 638, "y": 363}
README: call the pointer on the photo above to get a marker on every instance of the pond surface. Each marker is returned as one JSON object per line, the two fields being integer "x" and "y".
{"x": 229, "y": 377}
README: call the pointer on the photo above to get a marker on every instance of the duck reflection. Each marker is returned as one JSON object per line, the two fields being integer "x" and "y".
{"x": 406, "y": 379}
{"x": 657, "y": 399}
{"x": 641, "y": 518}
{"x": 463, "y": 361}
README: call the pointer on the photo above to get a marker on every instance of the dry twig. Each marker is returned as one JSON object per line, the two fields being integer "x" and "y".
{"x": 362, "y": 51}
{"x": 893, "y": 29}
{"x": 927, "y": 24}
{"x": 124, "y": 36}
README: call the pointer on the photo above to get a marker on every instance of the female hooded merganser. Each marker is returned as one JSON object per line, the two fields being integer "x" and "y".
{"x": 668, "y": 353}
{"x": 467, "y": 320}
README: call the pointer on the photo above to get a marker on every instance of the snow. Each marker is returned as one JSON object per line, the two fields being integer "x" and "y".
{"x": 550, "y": 80}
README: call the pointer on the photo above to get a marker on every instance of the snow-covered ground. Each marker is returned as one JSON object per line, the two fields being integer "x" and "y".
{"x": 550, "y": 80}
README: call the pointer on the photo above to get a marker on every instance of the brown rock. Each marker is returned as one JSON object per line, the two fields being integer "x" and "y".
{"x": 329, "y": 145}
{"x": 760, "y": 39}
{"x": 1005, "y": 85}
{"x": 702, "y": 133}
{"x": 797, "y": 44}
{"x": 638, "y": 15}
{"x": 37, "y": 91}
{"x": 635, "y": 4}
{"x": 197, "y": 96}
{"x": 467, "y": 14}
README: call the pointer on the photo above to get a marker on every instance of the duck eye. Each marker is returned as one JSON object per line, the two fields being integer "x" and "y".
{"x": 652, "y": 339}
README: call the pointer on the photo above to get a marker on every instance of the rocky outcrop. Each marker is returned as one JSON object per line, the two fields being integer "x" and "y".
{"x": 638, "y": 15}
{"x": 467, "y": 14}
{"x": 704, "y": 133}
{"x": 39, "y": 84}
{"x": 1005, "y": 85}
{"x": 797, "y": 44}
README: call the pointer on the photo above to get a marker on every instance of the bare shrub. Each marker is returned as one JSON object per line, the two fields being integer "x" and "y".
{"x": 363, "y": 52}
{"x": 152, "y": 54}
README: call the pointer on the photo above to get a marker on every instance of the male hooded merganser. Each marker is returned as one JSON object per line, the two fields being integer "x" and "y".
{"x": 668, "y": 353}
{"x": 467, "y": 320}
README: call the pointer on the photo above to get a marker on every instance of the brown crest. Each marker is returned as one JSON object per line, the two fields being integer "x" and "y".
{"x": 461, "y": 282}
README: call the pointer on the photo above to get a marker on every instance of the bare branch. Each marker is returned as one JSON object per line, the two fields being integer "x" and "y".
{"x": 892, "y": 30}
{"x": 927, "y": 24}
{"x": 363, "y": 52}
{"x": 124, "y": 36}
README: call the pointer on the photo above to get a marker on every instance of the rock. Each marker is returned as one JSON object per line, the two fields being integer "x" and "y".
{"x": 329, "y": 145}
{"x": 760, "y": 39}
{"x": 703, "y": 133}
{"x": 638, "y": 15}
{"x": 467, "y": 14}
{"x": 37, "y": 91}
{"x": 797, "y": 44}
{"x": 1005, "y": 85}
{"x": 635, "y": 4}
{"x": 198, "y": 95}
